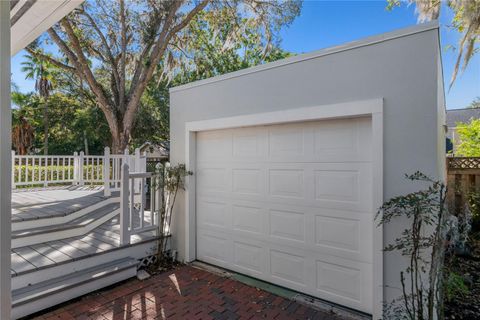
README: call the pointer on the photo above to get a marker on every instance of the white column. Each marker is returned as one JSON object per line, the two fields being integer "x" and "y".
{"x": 5, "y": 162}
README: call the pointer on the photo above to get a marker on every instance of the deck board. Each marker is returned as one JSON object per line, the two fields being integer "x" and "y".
{"x": 28, "y": 204}
{"x": 36, "y": 259}
{"x": 99, "y": 240}
{"x": 51, "y": 253}
{"x": 60, "y": 201}
{"x": 19, "y": 264}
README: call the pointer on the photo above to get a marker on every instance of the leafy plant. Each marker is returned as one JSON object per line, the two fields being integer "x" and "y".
{"x": 455, "y": 286}
{"x": 169, "y": 179}
{"x": 469, "y": 135}
{"x": 423, "y": 244}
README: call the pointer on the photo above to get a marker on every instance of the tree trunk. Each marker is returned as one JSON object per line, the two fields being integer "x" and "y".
{"x": 45, "y": 129}
{"x": 119, "y": 140}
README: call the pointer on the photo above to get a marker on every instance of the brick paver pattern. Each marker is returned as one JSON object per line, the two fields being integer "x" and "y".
{"x": 184, "y": 293}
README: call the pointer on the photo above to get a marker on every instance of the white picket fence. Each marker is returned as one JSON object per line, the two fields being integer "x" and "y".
{"x": 78, "y": 169}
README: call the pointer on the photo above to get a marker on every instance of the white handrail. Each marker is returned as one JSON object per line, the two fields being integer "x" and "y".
{"x": 134, "y": 219}
{"x": 77, "y": 169}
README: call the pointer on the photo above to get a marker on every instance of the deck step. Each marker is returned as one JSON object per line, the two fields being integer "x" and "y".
{"x": 57, "y": 216}
{"x": 76, "y": 227}
{"x": 30, "y": 299}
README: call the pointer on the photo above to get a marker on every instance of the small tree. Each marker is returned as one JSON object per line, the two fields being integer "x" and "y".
{"x": 469, "y": 135}
{"x": 167, "y": 183}
{"x": 423, "y": 244}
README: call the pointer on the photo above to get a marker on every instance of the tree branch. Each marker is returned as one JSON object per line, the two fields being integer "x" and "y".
{"x": 108, "y": 50}
{"x": 155, "y": 56}
{"x": 123, "y": 54}
{"x": 51, "y": 60}
{"x": 83, "y": 65}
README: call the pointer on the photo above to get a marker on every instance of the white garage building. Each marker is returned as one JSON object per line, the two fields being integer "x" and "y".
{"x": 291, "y": 160}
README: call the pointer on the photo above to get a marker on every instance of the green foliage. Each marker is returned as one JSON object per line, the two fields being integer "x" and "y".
{"x": 214, "y": 45}
{"x": 422, "y": 243}
{"x": 54, "y": 173}
{"x": 70, "y": 121}
{"x": 469, "y": 135}
{"x": 474, "y": 206}
{"x": 455, "y": 286}
{"x": 220, "y": 39}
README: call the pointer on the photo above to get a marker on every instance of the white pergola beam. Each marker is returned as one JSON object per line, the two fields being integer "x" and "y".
{"x": 5, "y": 162}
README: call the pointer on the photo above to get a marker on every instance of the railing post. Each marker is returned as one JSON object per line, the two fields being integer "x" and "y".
{"x": 160, "y": 173}
{"x": 13, "y": 170}
{"x": 126, "y": 158}
{"x": 106, "y": 173}
{"x": 124, "y": 207}
{"x": 75, "y": 168}
{"x": 137, "y": 168}
{"x": 80, "y": 169}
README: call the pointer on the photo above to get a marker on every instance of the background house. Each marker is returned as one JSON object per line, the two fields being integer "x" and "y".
{"x": 159, "y": 151}
{"x": 454, "y": 117}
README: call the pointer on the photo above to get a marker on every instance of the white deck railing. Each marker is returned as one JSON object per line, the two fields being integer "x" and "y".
{"x": 134, "y": 219}
{"x": 78, "y": 169}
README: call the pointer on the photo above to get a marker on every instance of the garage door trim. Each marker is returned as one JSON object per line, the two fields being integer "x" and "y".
{"x": 372, "y": 108}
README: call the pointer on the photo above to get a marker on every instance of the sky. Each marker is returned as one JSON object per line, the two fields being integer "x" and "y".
{"x": 323, "y": 24}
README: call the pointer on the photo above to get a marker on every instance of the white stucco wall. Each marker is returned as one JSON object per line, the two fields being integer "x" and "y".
{"x": 401, "y": 67}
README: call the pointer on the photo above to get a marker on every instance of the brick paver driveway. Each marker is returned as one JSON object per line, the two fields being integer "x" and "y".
{"x": 185, "y": 293}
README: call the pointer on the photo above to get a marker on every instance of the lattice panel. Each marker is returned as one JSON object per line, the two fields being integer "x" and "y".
{"x": 147, "y": 261}
{"x": 463, "y": 163}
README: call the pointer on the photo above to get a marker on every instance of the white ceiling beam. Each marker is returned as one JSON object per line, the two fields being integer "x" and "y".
{"x": 42, "y": 15}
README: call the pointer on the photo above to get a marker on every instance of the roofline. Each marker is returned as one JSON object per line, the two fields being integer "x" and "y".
{"x": 315, "y": 54}
{"x": 460, "y": 109}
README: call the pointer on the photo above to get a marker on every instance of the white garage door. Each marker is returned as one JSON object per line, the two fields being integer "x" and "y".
{"x": 290, "y": 204}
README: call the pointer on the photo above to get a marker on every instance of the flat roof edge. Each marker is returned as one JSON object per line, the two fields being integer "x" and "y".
{"x": 314, "y": 54}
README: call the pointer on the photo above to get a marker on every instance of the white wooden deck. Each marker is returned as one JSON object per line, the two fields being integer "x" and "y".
{"x": 32, "y": 204}
{"x": 102, "y": 239}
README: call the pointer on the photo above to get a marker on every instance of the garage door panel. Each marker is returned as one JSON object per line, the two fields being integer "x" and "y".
{"x": 337, "y": 140}
{"x": 213, "y": 213}
{"x": 249, "y": 257}
{"x": 288, "y": 268}
{"x": 214, "y": 179}
{"x": 248, "y": 181}
{"x": 286, "y": 183}
{"x": 287, "y": 142}
{"x": 214, "y": 145}
{"x": 215, "y": 247}
{"x": 290, "y": 204}
{"x": 249, "y": 144}
{"x": 286, "y": 224}
{"x": 348, "y": 238}
{"x": 248, "y": 218}
{"x": 322, "y": 185}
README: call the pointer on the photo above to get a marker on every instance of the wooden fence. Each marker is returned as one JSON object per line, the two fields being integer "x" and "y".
{"x": 463, "y": 178}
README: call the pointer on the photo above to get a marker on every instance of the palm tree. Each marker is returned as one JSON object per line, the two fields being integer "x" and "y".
{"x": 42, "y": 71}
{"x": 22, "y": 135}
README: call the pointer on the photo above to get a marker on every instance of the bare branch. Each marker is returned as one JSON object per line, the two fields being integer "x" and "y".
{"x": 84, "y": 66}
{"x": 155, "y": 56}
{"x": 107, "y": 48}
